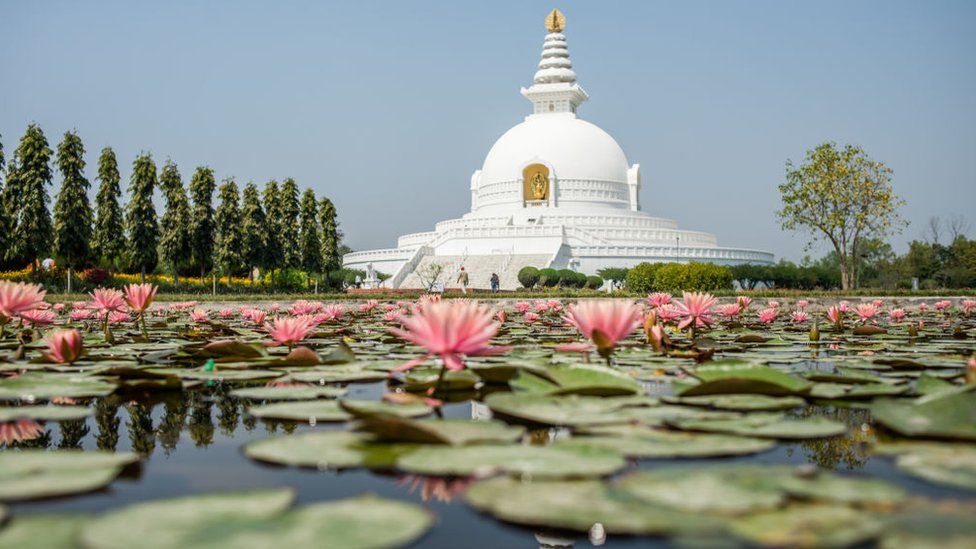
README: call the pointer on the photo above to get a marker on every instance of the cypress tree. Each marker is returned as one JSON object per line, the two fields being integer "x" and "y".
{"x": 274, "y": 257}
{"x": 311, "y": 245}
{"x": 202, "y": 224}
{"x": 330, "y": 236}
{"x": 5, "y": 230}
{"x": 33, "y": 234}
{"x": 174, "y": 240}
{"x": 290, "y": 231}
{"x": 141, "y": 216}
{"x": 9, "y": 199}
{"x": 108, "y": 242}
{"x": 229, "y": 241}
{"x": 253, "y": 227}
{"x": 72, "y": 212}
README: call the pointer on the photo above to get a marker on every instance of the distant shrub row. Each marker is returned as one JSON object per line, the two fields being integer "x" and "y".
{"x": 530, "y": 277}
{"x": 678, "y": 277}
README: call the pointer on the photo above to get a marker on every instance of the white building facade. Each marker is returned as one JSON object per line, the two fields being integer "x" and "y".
{"x": 554, "y": 191}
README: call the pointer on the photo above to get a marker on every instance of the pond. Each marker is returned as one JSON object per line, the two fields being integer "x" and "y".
{"x": 695, "y": 454}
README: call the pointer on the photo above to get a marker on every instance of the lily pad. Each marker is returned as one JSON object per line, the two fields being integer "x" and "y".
{"x": 742, "y": 403}
{"x": 289, "y": 393}
{"x": 578, "y": 505}
{"x": 45, "y": 386}
{"x": 727, "y": 490}
{"x": 38, "y": 474}
{"x": 941, "y": 415}
{"x": 44, "y": 413}
{"x": 42, "y": 531}
{"x": 338, "y": 376}
{"x": 809, "y": 526}
{"x": 331, "y": 410}
{"x": 454, "y": 432}
{"x": 730, "y": 377}
{"x": 327, "y": 450}
{"x": 571, "y": 410}
{"x": 519, "y": 459}
{"x": 644, "y": 443}
{"x": 591, "y": 380}
{"x": 766, "y": 426}
{"x": 949, "y": 464}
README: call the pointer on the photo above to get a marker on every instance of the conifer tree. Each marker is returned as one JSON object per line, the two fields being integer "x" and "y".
{"x": 9, "y": 199}
{"x": 227, "y": 253}
{"x": 274, "y": 257}
{"x": 108, "y": 241}
{"x": 253, "y": 227}
{"x": 72, "y": 212}
{"x": 140, "y": 219}
{"x": 5, "y": 230}
{"x": 174, "y": 240}
{"x": 202, "y": 187}
{"x": 311, "y": 245}
{"x": 33, "y": 234}
{"x": 290, "y": 231}
{"x": 331, "y": 236}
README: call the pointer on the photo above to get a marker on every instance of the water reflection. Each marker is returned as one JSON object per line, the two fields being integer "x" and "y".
{"x": 851, "y": 451}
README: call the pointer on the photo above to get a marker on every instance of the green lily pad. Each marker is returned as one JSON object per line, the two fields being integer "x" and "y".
{"x": 455, "y": 432}
{"x": 731, "y": 377}
{"x": 37, "y": 474}
{"x": 592, "y": 380}
{"x": 726, "y": 490}
{"x": 327, "y": 450}
{"x": 742, "y": 403}
{"x": 765, "y": 426}
{"x": 331, "y": 410}
{"x": 571, "y": 410}
{"x": 45, "y": 386}
{"x": 940, "y": 415}
{"x": 578, "y": 505}
{"x": 930, "y": 527}
{"x": 338, "y": 376}
{"x": 218, "y": 375}
{"x": 485, "y": 460}
{"x": 44, "y": 413}
{"x": 258, "y": 519}
{"x": 809, "y": 526}
{"x": 289, "y": 393}
{"x": 827, "y": 487}
{"x": 949, "y": 464}
{"x": 422, "y": 379}
{"x": 644, "y": 443}
{"x": 854, "y": 392}
{"x": 42, "y": 531}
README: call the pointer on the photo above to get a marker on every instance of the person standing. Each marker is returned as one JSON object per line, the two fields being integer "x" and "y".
{"x": 463, "y": 280}
{"x": 495, "y": 283}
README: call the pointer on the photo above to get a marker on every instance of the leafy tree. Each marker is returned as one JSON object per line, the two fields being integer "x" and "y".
{"x": 33, "y": 233}
{"x": 528, "y": 277}
{"x": 311, "y": 245}
{"x": 274, "y": 256}
{"x": 175, "y": 227}
{"x": 108, "y": 240}
{"x": 640, "y": 277}
{"x": 229, "y": 241}
{"x": 202, "y": 187}
{"x": 253, "y": 227}
{"x": 290, "y": 231}
{"x": 141, "y": 216}
{"x": 72, "y": 212}
{"x": 843, "y": 197}
{"x": 331, "y": 236}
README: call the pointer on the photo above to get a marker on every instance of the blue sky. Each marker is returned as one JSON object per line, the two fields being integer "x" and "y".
{"x": 387, "y": 107}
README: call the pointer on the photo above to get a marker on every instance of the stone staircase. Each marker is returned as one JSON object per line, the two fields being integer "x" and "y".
{"x": 479, "y": 268}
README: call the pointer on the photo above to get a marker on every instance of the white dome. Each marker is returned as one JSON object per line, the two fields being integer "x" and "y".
{"x": 574, "y": 149}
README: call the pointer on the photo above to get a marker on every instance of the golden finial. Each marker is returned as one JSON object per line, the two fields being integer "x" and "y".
{"x": 555, "y": 21}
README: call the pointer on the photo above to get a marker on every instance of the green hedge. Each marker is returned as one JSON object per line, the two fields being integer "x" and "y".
{"x": 528, "y": 277}
{"x": 678, "y": 277}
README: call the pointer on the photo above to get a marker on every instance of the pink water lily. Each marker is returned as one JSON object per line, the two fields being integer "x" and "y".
{"x": 896, "y": 315}
{"x": 743, "y": 301}
{"x": 63, "y": 347}
{"x": 38, "y": 317}
{"x": 799, "y": 317}
{"x": 106, "y": 300}
{"x": 968, "y": 305}
{"x": 695, "y": 309}
{"x": 667, "y": 313}
{"x": 729, "y": 310}
{"x": 19, "y": 430}
{"x": 866, "y": 311}
{"x": 529, "y": 316}
{"x": 140, "y": 296}
{"x": 835, "y": 315}
{"x": 604, "y": 322}
{"x": 802, "y": 304}
{"x": 288, "y": 331}
{"x": 368, "y": 305}
{"x": 17, "y": 297}
{"x": 450, "y": 330}
{"x": 768, "y": 316}
{"x": 659, "y": 299}
{"x": 943, "y": 305}
{"x": 199, "y": 316}
{"x": 522, "y": 306}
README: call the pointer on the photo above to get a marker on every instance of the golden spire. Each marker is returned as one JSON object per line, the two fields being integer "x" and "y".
{"x": 555, "y": 21}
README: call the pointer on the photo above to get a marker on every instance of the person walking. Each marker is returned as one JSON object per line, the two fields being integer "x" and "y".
{"x": 495, "y": 283}
{"x": 463, "y": 280}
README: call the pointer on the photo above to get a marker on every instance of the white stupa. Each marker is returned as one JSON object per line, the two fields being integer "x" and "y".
{"x": 554, "y": 191}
